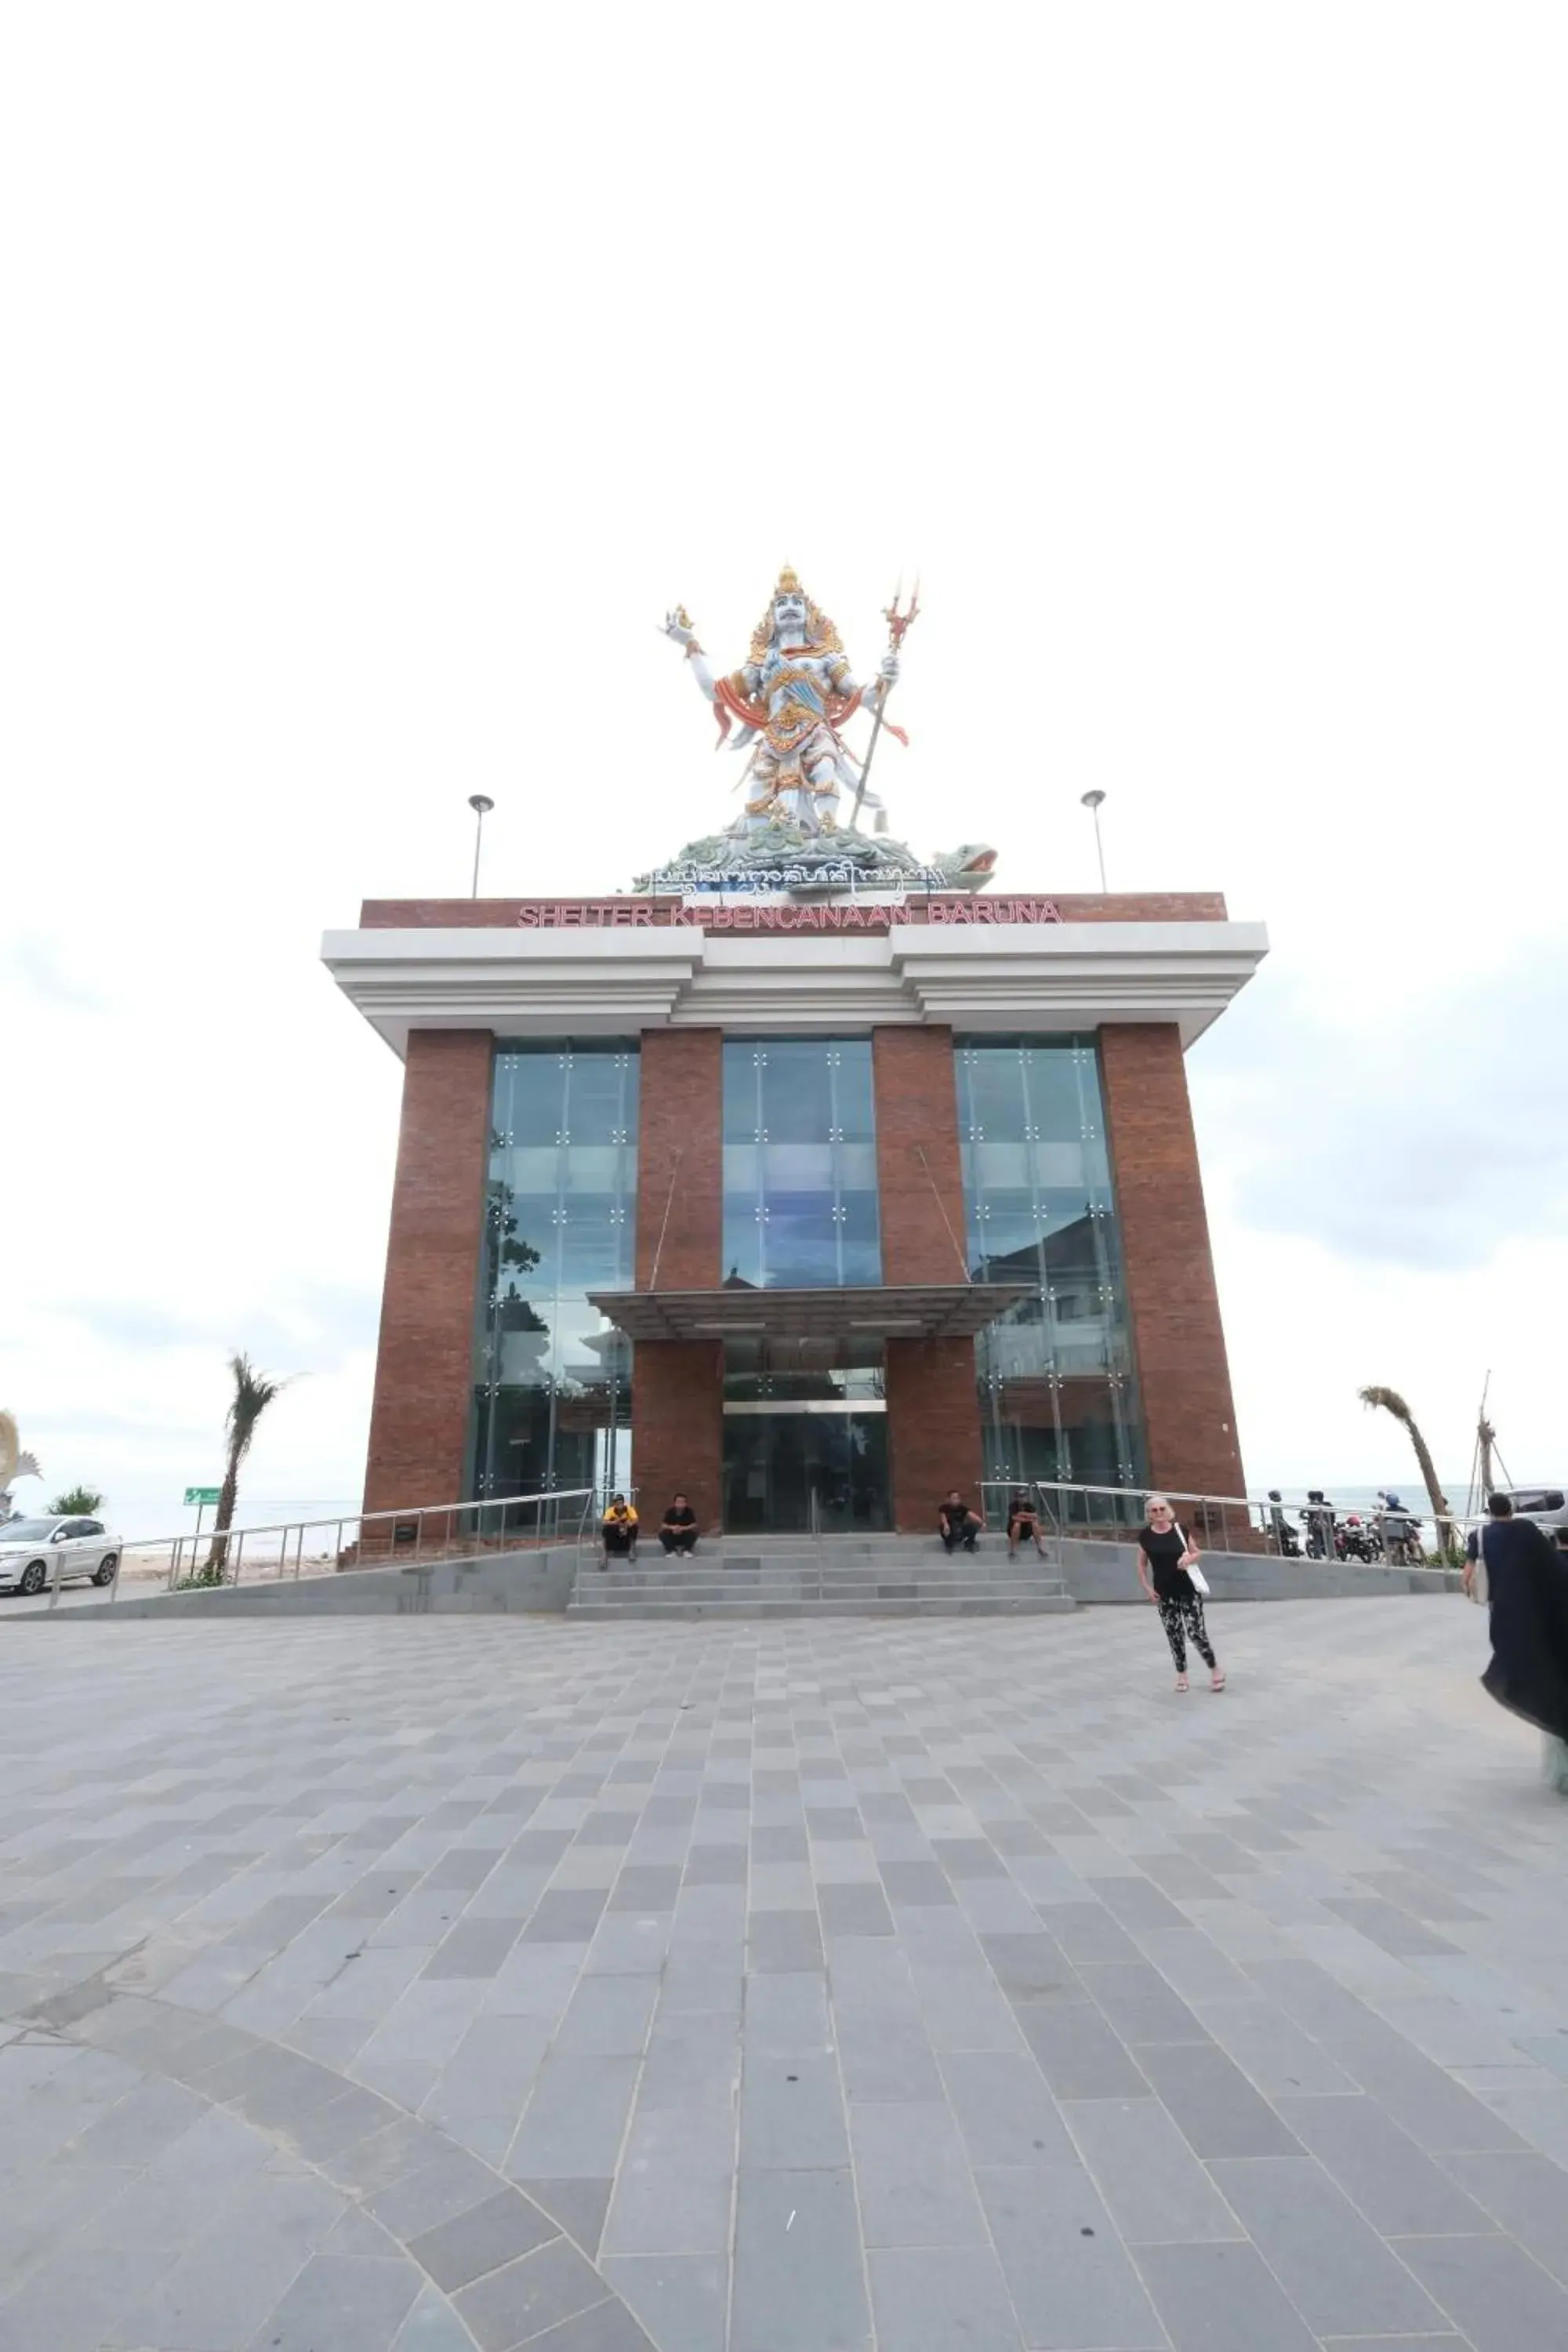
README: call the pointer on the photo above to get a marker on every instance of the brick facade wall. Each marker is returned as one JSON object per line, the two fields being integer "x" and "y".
{"x": 1184, "y": 1379}
{"x": 680, "y": 1159}
{"x": 678, "y": 1428}
{"x": 424, "y": 1368}
{"x": 933, "y": 1406}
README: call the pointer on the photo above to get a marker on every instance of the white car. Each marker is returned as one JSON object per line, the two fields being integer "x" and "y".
{"x": 32, "y": 1549}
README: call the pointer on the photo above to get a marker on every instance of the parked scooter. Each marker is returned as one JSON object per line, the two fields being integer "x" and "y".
{"x": 1357, "y": 1539}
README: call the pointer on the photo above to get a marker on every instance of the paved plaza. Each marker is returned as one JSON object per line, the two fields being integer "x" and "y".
{"x": 419, "y": 1984}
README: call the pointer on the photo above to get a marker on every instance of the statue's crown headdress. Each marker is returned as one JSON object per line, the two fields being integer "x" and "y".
{"x": 822, "y": 638}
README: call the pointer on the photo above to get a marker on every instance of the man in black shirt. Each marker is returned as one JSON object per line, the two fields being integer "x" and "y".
{"x": 679, "y": 1530}
{"x": 958, "y": 1523}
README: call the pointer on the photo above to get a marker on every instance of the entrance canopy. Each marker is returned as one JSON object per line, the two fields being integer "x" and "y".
{"x": 925, "y": 1310}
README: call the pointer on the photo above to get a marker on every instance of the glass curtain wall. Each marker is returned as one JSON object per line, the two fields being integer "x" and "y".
{"x": 1056, "y": 1392}
{"x": 806, "y": 1432}
{"x": 800, "y": 1163}
{"x": 551, "y": 1380}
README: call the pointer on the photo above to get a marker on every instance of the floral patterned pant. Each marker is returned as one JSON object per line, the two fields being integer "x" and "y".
{"x": 1184, "y": 1620}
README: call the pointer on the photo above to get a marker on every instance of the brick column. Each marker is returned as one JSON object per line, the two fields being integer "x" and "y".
{"x": 1184, "y": 1379}
{"x": 678, "y": 1428}
{"x": 424, "y": 1368}
{"x": 933, "y": 1406}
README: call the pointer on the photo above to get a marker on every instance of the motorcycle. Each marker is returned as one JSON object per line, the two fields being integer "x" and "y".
{"x": 1355, "y": 1539}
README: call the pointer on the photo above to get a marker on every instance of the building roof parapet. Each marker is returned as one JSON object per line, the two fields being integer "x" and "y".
{"x": 616, "y": 980}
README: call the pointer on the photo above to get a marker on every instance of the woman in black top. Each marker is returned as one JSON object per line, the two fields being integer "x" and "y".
{"x": 1164, "y": 1556}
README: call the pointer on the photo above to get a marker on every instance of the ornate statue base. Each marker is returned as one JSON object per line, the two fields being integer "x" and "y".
{"x": 781, "y": 856}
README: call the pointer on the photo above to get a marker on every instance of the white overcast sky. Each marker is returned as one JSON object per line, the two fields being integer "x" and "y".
{"x": 375, "y": 377}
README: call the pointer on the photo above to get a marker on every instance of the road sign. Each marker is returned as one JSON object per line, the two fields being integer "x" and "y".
{"x": 202, "y": 1494}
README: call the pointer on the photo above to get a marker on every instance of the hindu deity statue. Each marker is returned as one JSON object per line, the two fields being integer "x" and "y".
{"x": 793, "y": 699}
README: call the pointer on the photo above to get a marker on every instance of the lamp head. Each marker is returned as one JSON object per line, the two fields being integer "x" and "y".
{"x": 480, "y": 802}
{"x": 1091, "y": 800}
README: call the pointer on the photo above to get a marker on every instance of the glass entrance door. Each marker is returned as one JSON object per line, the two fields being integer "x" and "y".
{"x": 788, "y": 1472}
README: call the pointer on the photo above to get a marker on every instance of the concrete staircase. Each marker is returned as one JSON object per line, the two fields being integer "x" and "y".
{"x": 832, "y": 1576}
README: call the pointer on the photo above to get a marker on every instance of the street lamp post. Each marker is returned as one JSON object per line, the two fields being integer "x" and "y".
{"x": 482, "y": 804}
{"x": 1091, "y": 801}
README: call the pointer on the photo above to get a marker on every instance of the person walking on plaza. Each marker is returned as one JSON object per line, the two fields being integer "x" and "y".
{"x": 1165, "y": 1559}
{"x": 619, "y": 1530}
{"x": 679, "y": 1530}
{"x": 958, "y": 1523}
{"x": 1527, "y": 1592}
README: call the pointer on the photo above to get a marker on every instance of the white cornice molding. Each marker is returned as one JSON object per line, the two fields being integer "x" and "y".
{"x": 610, "y": 981}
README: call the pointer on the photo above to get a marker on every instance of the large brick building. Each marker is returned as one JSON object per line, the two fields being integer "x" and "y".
{"x": 813, "y": 1209}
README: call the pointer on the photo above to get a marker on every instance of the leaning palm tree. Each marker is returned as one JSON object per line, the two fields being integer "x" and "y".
{"x": 253, "y": 1392}
{"x": 1390, "y": 1401}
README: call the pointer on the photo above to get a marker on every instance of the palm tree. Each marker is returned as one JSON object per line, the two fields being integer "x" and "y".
{"x": 253, "y": 1392}
{"x": 1390, "y": 1401}
{"x": 77, "y": 1502}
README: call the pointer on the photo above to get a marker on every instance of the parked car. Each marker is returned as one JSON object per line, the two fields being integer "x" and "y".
{"x": 1545, "y": 1504}
{"x": 32, "y": 1549}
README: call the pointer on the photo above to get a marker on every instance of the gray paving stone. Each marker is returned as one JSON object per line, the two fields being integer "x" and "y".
{"x": 432, "y": 2326}
{"x": 681, "y": 2299}
{"x": 674, "y": 2184}
{"x": 1069, "y": 2275}
{"x": 475, "y": 1948}
{"x": 1221, "y": 2299}
{"x": 575, "y": 2121}
{"x": 1337, "y": 2272}
{"x": 343, "y": 2300}
{"x": 693, "y": 2059}
{"x": 1525, "y": 2194}
{"x": 607, "y": 2328}
{"x": 1155, "y": 2187}
{"x": 1400, "y": 2190}
{"x": 578, "y": 2206}
{"x": 1005, "y": 2112}
{"x": 784, "y": 1942}
{"x": 915, "y": 2187}
{"x": 482, "y": 2239}
{"x": 1078, "y": 2054}
{"x": 513, "y": 2305}
{"x": 800, "y": 2274}
{"x": 930, "y": 2299}
{"x": 608, "y": 2016}
{"x": 963, "y": 2007}
{"x": 1492, "y": 2290}
{"x": 1216, "y": 2105}
{"x": 792, "y": 2113}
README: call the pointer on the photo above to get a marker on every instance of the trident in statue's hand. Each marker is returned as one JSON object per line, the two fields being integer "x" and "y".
{"x": 897, "y": 622}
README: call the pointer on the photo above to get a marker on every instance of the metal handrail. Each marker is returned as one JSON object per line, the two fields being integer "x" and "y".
{"x": 430, "y": 1531}
{"x": 1075, "y": 1510}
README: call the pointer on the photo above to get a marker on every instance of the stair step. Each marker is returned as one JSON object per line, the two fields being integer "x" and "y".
{"x": 1034, "y": 1604}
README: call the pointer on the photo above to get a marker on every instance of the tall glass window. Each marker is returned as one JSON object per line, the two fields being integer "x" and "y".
{"x": 551, "y": 1380}
{"x": 1056, "y": 1392}
{"x": 800, "y": 1163}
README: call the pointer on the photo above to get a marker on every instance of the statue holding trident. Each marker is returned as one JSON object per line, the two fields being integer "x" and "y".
{"x": 793, "y": 698}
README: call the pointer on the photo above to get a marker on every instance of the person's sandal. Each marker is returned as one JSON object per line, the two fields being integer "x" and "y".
{"x": 1182, "y": 1683}
{"x": 1217, "y": 1680}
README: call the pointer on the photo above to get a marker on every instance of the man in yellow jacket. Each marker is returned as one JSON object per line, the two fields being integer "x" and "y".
{"x": 618, "y": 1530}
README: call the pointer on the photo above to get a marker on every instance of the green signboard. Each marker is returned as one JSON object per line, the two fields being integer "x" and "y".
{"x": 202, "y": 1494}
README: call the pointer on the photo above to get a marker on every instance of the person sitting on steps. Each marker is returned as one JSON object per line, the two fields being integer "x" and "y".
{"x": 1023, "y": 1523}
{"x": 618, "y": 1528}
{"x": 679, "y": 1530}
{"x": 958, "y": 1524}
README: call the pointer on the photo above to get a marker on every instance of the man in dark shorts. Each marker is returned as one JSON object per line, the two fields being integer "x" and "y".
{"x": 958, "y": 1523}
{"x": 679, "y": 1530}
